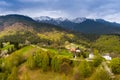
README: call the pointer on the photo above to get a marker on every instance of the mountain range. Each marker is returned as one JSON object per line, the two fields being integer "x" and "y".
{"x": 78, "y": 25}
{"x": 83, "y": 25}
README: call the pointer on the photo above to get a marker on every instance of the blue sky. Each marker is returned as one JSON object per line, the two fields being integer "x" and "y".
{"x": 105, "y": 9}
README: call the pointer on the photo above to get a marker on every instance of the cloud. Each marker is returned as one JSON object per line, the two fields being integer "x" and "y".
{"x": 51, "y": 13}
{"x": 3, "y": 3}
{"x": 37, "y": 0}
{"x": 37, "y": 13}
{"x": 106, "y": 9}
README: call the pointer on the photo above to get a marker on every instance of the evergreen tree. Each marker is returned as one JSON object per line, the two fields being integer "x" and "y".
{"x": 26, "y": 76}
{"x": 45, "y": 62}
{"x": 115, "y": 65}
{"x": 84, "y": 69}
{"x": 100, "y": 74}
{"x": 38, "y": 57}
{"x": 14, "y": 74}
{"x": 97, "y": 60}
{"x": 65, "y": 68}
{"x": 56, "y": 61}
{"x": 3, "y": 76}
{"x": 30, "y": 63}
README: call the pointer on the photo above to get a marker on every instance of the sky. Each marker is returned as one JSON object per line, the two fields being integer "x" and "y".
{"x": 104, "y": 9}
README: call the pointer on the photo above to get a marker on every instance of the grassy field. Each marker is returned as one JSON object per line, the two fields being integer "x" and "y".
{"x": 26, "y": 51}
{"x": 63, "y": 52}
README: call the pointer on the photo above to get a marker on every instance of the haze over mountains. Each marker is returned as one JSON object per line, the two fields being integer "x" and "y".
{"x": 81, "y": 25}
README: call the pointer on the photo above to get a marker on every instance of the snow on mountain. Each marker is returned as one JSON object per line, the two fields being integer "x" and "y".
{"x": 78, "y": 20}
{"x": 60, "y": 19}
{"x": 43, "y": 18}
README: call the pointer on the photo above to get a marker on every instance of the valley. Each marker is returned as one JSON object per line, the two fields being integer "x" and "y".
{"x": 44, "y": 50}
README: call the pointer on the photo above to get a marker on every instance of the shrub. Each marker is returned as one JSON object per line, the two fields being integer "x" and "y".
{"x": 65, "y": 68}
{"x": 45, "y": 62}
{"x": 55, "y": 64}
{"x": 13, "y": 75}
{"x": 3, "y": 76}
{"x": 39, "y": 59}
{"x": 57, "y": 61}
{"x": 100, "y": 74}
{"x": 77, "y": 76}
{"x": 30, "y": 63}
{"x": 97, "y": 60}
{"x": 26, "y": 76}
{"x": 84, "y": 69}
{"x": 115, "y": 65}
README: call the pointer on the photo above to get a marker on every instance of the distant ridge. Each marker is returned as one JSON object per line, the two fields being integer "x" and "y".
{"x": 79, "y": 25}
{"x": 83, "y": 25}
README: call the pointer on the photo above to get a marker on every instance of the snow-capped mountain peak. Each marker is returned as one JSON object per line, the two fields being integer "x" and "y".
{"x": 78, "y": 20}
{"x": 43, "y": 18}
{"x": 61, "y": 19}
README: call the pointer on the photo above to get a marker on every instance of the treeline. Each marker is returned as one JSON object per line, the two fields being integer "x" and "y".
{"x": 108, "y": 44}
{"x": 50, "y": 39}
{"x": 47, "y": 61}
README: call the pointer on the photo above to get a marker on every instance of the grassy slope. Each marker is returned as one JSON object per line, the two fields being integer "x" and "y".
{"x": 37, "y": 74}
{"x": 63, "y": 52}
{"x": 26, "y": 51}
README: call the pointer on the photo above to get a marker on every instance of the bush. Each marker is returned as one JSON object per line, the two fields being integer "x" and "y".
{"x": 3, "y": 76}
{"x": 57, "y": 61}
{"x": 39, "y": 59}
{"x": 84, "y": 69}
{"x": 30, "y": 63}
{"x": 45, "y": 62}
{"x": 26, "y": 76}
{"x": 97, "y": 60}
{"x": 115, "y": 65}
{"x": 65, "y": 68}
{"x": 14, "y": 74}
{"x": 55, "y": 64}
{"x": 100, "y": 74}
{"x": 77, "y": 76}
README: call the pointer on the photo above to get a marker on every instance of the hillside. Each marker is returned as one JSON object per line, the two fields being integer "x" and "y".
{"x": 18, "y": 29}
{"x": 34, "y": 62}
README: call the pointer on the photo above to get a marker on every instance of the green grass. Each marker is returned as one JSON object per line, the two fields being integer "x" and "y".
{"x": 25, "y": 51}
{"x": 62, "y": 52}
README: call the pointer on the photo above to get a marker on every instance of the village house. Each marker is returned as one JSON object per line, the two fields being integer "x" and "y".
{"x": 75, "y": 51}
{"x": 91, "y": 56}
{"x": 107, "y": 57}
